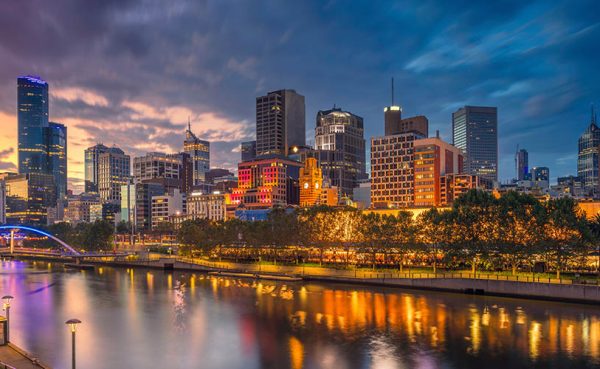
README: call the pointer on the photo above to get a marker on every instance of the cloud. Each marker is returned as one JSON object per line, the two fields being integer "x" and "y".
{"x": 72, "y": 94}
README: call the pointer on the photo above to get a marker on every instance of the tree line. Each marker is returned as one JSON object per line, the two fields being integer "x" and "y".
{"x": 513, "y": 232}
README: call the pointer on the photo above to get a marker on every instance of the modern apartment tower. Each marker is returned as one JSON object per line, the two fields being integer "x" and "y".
{"x": 280, "y": 122}
{"x": 199, "y": 152}
{"x": 475, "y": 132}
{"x": 340, "y": 146}
{"x": 521, "y": 164}
{"x": 588, "y": 158}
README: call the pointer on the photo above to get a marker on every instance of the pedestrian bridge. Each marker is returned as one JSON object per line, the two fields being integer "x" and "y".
{"x": 14, "y": 228}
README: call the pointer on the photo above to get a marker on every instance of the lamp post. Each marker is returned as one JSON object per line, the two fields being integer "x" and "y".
{"x": 72, "y": 323}
{"x": 6, "y": 306}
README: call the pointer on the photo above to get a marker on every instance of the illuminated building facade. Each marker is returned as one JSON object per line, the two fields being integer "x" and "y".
{"x": 267, "y": 181}
{"x": 280, "y": 122}
{"x": 169, "y": 170}
{"x": 540, "y": 176}
{"x": 207, "y": 206}
{"x": 475, "y": 132}
{"x": 588, "y": 158}
{"x": 199, "y": 152}
{"x": 42, "y": 145}
{"x": 32, "y": 116}
{"x": 28, "y": 198}
{"x": 392, "y": 172}
{"x": 311, "y": 183}
{"x": 165, "y": 206}
{"x": 453, "y": 186}
{"x": 114, "y": 171}
{"x": 340, "y": 148}
{"x": 92, "y": 165}
{"x": 83, "y": 208}
{"x": 433, "y": 158}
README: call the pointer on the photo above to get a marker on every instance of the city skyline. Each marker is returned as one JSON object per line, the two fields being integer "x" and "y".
{"x": 141, "y": 102}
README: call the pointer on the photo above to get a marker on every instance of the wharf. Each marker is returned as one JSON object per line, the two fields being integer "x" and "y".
{"x": 13, "y": 357}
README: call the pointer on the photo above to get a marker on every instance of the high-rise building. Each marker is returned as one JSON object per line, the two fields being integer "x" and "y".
{"x": 32, "y": 115}
{"x": 340, "y": 148}
{"x": 434, "y": 158}
{"x": 522, "y": 164}
{"x": 42, "y": 144}
{"x": 392, "y": 170}
{"x": 267, "y": 181}
{"x": 207, "y": 206}
{"x": 57, "y": 156}
{"x": 144, "y": 192}
{"x": 83, "y": 208}
{"x": 28, "y": 198}
{"x": 248, "y": 150}
{"x": 199, "y": 152}
{"x": 572, "y": 184}
{"x": 157, "y": 167}
{"x": 280, "y": 122}
{"x": 91, "y": 160}
{"x": 475, "y": 132}
{"x": 588, "y": 158}
{"x": 540, "y": 176}
{"x": 114, "y": 171}
{"x": 311, "y": 182}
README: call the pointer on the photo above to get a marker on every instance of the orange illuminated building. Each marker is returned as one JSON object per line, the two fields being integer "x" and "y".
{"x": 453, "y": 186}
{"x": 267, "y": 181}
{"x": 434, "y": 158}
{"x": 311, "y": 183}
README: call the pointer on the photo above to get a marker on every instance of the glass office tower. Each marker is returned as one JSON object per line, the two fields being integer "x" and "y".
{"x": 475, "y": 132}
{"x": 199, "y": 152}
{"x": 32, "y": 116}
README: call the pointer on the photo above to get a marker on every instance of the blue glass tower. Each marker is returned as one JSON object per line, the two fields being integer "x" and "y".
{"x": 32, "y": 114}
{"x": 57, "y": 157}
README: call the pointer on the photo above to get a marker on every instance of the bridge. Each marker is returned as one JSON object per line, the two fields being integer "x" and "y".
{"x": 67, "y": 250}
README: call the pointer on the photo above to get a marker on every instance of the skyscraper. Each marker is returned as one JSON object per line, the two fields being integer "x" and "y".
{"x": 521, "y": 164}
{"x": 57, "y": 158}
{"x": 114, "y": 171}
{"x": 32, "y": 115}
{"x": 340, "y": 145}
{"x": 248, "y": 150}
{"x": 157, "y": 167}
{"x": 541, "y": 176}
{"x": 199, "y": 152}
{"x": 280, "y": 122}
{"x": 475, "y": 132}
{"x": 42, "y": 144}
{"x": 587, "y": 158}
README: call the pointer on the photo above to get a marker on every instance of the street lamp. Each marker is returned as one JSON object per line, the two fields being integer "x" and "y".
{"x": 6, "y": 307}
{"x": 73, "y": 323}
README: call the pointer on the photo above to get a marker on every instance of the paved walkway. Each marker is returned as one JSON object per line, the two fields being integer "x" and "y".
{"x": 13, "y": 357}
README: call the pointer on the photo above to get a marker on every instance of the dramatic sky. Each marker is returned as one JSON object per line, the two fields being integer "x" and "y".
{"x": 130, "y": 72}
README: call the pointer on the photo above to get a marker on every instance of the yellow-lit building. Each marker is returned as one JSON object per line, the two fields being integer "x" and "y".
{"x": 311, "y": 183}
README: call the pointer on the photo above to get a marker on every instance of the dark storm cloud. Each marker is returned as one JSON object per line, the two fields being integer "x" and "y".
{"x": 537, "y": 61}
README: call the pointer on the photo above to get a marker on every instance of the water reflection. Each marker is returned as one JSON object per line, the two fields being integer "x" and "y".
{"x": 146, "y": 318}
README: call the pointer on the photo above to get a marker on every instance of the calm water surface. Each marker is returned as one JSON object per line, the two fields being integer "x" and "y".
{"x": 151, "y": 319}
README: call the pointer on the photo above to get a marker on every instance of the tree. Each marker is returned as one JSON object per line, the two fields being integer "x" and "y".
{"x": 594, "y": 226}
{"x": 565, "y": 228}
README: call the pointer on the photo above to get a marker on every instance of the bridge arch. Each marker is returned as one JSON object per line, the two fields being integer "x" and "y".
{"x": 43, "y": 233}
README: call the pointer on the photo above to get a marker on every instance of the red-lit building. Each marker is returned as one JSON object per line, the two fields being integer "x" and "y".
{"x": 267, "y": 181}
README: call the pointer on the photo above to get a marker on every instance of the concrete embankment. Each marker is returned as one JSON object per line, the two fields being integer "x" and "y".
{"x": 11, "y": 356}
{"x": 588, "y": 294}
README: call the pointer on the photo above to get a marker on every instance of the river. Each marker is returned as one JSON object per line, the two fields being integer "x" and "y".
{"x": 137, "y": 318}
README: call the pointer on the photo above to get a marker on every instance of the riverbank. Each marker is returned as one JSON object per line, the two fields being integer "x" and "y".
{"x": 13, "y": 357}
{"x": 527, "y": 288}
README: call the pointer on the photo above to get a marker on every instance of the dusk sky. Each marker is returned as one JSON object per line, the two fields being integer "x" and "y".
{"x": 130, "y": 72}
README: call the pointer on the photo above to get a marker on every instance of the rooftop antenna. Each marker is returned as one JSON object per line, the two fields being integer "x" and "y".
{"x": 392, "y": 91}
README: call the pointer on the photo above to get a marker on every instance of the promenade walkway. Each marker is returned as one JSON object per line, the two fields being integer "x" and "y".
{"x": 12, "y": 357}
